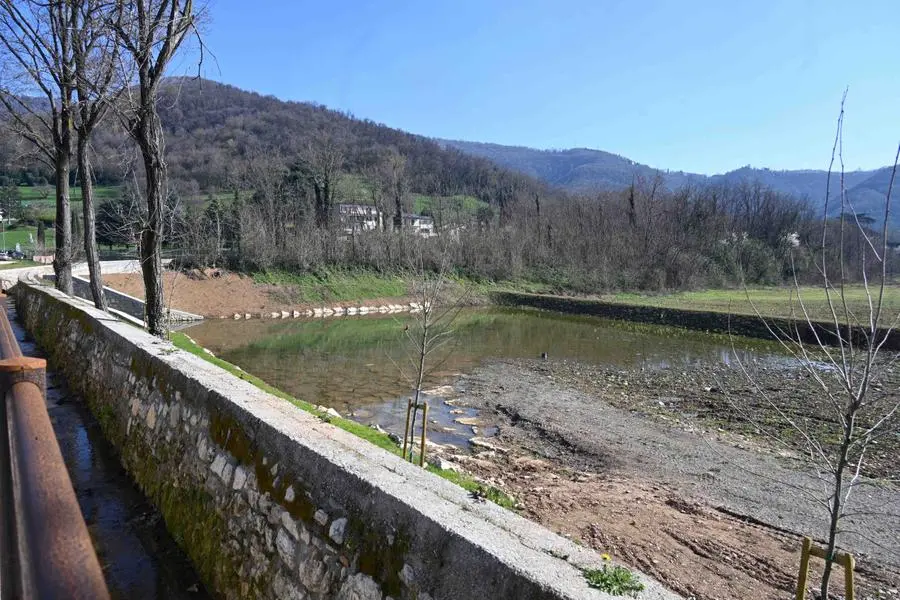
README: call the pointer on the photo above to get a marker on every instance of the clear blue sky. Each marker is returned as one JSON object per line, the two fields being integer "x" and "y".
{"x": 703, "y": 86}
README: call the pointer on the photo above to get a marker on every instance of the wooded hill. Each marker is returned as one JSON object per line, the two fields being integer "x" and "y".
{"x": 583, "y": 170}
{"x": 255, "y": 181}
{"x": 214, "y": 130}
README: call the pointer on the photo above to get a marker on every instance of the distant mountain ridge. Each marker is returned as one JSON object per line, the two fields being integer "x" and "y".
{"x": 583, "y": 170}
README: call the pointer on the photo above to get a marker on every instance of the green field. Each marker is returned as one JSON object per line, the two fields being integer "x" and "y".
{"x": 769, "y": 301}
{"x": 43, "y": 200}
{"x": 455, "y": 208}
{"x": 46, "y": 193}
{"x": 20, "y": 235}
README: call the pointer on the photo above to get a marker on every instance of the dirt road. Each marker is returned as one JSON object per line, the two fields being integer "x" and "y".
{"x": 707, "y": 518}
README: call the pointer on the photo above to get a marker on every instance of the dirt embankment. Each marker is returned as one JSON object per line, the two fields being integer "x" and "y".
{"x": 710, "y": 514}
{"x": 215, "y": 293}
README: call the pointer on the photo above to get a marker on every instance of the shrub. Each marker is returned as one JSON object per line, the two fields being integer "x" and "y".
{"x": 614, "y": 580}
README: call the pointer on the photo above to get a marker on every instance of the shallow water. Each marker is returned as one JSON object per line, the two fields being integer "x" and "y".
{"x": 361, "y": 366}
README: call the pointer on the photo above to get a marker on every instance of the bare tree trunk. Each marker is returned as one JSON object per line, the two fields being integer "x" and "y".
{"x": 149, "y": 136}
{"x": 62, "y": 262}
{"x": 90, "y": 225}
{"x": 836, "y": 509}
{"x": 398, "y": 212}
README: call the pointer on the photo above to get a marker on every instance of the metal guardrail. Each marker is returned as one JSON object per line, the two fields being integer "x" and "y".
{"x": 45, "y": 549}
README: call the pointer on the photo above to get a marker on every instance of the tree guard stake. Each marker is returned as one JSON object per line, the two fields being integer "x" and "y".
{"x": 840, "y": 558}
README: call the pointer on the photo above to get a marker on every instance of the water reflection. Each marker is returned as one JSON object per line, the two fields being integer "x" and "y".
{"x": 356, "y": 364}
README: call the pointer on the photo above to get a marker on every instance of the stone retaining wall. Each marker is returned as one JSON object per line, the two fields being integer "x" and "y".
{"x": 272, "y": 502}
{"x": 717, "y": 322}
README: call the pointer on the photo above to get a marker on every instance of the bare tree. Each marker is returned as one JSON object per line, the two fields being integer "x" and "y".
{"x": 859, "y": 408}
{"x": 397, "y": 183}
{"x": 430, "y": 332}
{"x": 36, "y": 91}
{"x": 149, "y": 35}
{"x": 322, "y": 160}
{"x": 96, "y": 58}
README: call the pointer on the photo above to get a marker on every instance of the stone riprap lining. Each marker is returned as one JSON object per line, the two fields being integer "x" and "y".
{"x": 711, "y": 321}
{"x": 332, "y": 311}
{"x": 271, "y": 502}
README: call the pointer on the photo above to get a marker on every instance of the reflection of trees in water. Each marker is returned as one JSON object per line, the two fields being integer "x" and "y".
{"x": 347, "y": 362}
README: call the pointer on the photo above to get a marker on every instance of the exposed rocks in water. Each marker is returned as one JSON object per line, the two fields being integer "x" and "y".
{"x": 483, "y": 444}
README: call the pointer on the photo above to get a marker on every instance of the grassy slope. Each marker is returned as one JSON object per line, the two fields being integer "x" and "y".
{"x": 769, "y": 301}
{"x": 182, "y": 341}
{"x": 467, "y": 205}
{"x": 336, "y": 285}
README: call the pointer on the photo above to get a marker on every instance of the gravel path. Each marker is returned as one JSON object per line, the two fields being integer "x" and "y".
{"x": 582, "y": 431}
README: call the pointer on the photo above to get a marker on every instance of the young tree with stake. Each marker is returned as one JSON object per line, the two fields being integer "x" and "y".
{"x": 858, "y": 409}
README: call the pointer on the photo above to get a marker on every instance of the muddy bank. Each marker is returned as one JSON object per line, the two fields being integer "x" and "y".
{"x": 665, "y": 492}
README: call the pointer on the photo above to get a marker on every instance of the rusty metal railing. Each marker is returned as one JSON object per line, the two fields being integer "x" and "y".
{"x": 45, "y": 548}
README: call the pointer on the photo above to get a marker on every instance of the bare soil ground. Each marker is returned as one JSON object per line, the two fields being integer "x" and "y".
{"x": 215, "y": 293}
{"x": 710, "y": 514}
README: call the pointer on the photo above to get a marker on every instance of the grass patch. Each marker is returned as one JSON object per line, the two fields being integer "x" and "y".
{"x": 484, "y": 287}
{"x": 477, "y": 490}
{"x": 335, "y": 285}
{"x": 183, "y": 342}
{"x": 614, "y": 580}
{"x": 769, "y": 301}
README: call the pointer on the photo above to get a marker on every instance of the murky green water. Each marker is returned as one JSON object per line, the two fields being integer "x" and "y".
{"x": 361, "y": 365}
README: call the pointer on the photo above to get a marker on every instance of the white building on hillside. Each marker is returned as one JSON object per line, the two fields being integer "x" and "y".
{"x": 356, "y": 218}
{"x": 420, "y": 224}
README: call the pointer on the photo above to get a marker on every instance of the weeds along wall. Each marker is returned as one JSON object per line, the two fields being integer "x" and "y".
{"x": 269, "y": 501}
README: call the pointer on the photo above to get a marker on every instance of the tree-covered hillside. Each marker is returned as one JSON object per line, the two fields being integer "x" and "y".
{"x": 214, "y": 131}
{"x": 583, "y": 170}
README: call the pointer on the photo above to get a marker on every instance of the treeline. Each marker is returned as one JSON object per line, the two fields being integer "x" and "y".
{"x": 643, "y": 238}
{"x": 255, "y": 183}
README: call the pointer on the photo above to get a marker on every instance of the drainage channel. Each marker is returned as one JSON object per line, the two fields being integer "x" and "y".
{"x": 140, "y": 560}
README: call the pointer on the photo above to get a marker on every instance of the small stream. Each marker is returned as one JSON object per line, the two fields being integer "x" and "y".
{"x": 140, "y": 560}
{"x": 361, "y": 366}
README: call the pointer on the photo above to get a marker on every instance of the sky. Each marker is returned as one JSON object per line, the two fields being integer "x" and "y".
{"x": 700, "y": 86}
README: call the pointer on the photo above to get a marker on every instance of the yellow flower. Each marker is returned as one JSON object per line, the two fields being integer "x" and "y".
{"x": 606, "y": 556}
